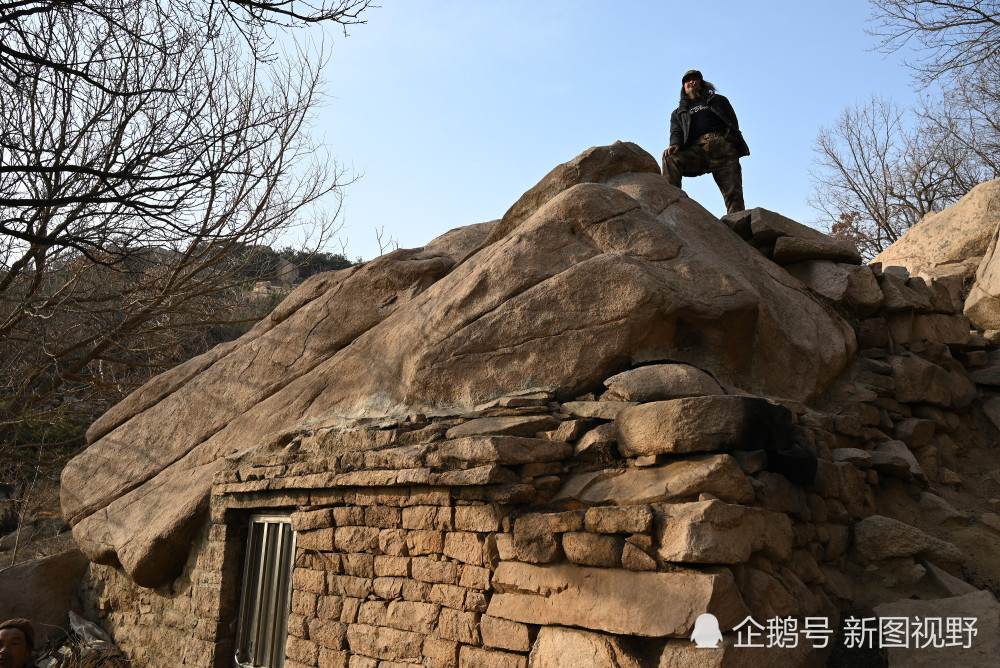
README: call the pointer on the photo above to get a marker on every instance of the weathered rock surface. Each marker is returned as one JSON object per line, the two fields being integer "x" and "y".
{"x": 878, "y": 537}
{"x": 902, "y": 293}
{"x": 980, "y": 611}
{"x": 513, "y": 425}
{"x": 713, "y": 532}
{"x": 895, "y": 459}
{"x": 992, "y": 410}
{"x": 917, "y": 379}
{"x": 853, "y": 286}
{"x": 598, "y": 442}
{"x": 787, "y": 241}
{"x": 594, "y": 165}
{"x": 601, "y": 266}
{"x": 558, "y": 647}
{"x": 823, "y": 277}
{"x": 696, "y": 424}
{"x": 602, "y": 410}
{"x": 948, "y": 237}
{"x": 864, "y": 295}
{"x": 788, "y": 250}
{"x": 950, "y": 248}
{"x": 658, "y": 382}
{"x": 629, "y": 603}
{"x": 983, "y": 303}
{"x": 718, "y": 475}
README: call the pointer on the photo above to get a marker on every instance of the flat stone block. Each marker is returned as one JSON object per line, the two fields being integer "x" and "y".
{"x": 718, "y": 475}
{"x": 503, "y": 450}
{"x": 572, "y": 648}
{"x": 505, "y": 634}
{"x": 604, "y": 410}
{"x": 590, "y": 549}
{"x": 699, "y": 424}
{"x": 385, "y": 643}
{"x": 511, "y": 425}
{"x": 619, "y": 519}
{"x": 477, "y": 657}
{"x": 614, "y": 600}
{"x": 713, "y": 532}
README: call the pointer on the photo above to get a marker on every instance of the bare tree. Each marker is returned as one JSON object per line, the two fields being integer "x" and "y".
{"x": 951, "y": 37}
{"x": 875, "y": 177}
{"x": 148, "y": 150}
{"x": 854, "y": 227}
{"x": 879, "y": 170}
{"x": 108, "y": 48}
{"x": 385, "y": 244}
{"x": 967, "y": 112}
{"x": 957, "y": 44}
{"x": 854, "y": 170}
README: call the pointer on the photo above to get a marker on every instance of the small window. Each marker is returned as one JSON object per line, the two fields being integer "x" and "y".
{"x": 266, "y": 596}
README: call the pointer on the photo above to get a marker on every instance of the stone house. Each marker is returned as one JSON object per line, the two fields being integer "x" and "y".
{"x": 733, "y": 419}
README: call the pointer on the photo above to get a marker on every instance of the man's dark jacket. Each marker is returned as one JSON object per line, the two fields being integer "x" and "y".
{"x": 680, "y": 121}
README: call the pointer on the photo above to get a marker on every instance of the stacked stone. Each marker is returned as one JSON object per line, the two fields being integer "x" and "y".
{"x": 898, "y": 416}
{"x": 464, "y": 541}
{"x": 529, "y": 528}
{"x": 396, "y": 544}
{"x": 911, "y": 388}
{"x": 787, "y": 242}
{"x": 174, "y": 625}
{"x": 390, "y": 578}
{"x": 680, "y": 505}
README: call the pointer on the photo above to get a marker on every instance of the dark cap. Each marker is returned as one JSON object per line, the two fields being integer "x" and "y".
{"x": 24, "y": 626}
{"x": 691, "y": 74}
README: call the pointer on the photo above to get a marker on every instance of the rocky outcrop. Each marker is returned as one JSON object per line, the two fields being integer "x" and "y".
{"x": 949, "y": 242}
{"x": 562, "y": 439}
{"x": 450, "y": 539}
{"x": 983, "y": 303}
{"x": 604, "y": 266}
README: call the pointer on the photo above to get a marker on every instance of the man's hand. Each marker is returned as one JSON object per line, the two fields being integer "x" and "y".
{"x": 671, "y": 150}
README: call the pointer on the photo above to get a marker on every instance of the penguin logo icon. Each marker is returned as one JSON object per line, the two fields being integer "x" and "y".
{"x": 706, "y": 634}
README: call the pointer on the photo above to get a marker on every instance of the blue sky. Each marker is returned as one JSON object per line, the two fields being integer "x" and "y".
{"x": 449, "y": 110}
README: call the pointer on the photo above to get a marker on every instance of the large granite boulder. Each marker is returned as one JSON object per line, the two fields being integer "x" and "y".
{"x": 982, "y": 306}
{"x": 944, "y": 241}
{"x": 601, "y": 267}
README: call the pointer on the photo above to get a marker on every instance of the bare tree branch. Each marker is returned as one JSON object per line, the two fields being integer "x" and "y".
{"x": 951, "y": 38}
{"x": 344, "y": 12}
{"x": 149, "y": 160}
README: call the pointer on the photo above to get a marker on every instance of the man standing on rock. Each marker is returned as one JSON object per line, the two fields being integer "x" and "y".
{"x": 705, "y": 137}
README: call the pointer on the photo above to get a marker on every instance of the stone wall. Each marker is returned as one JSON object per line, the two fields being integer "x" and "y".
{"x": 463, "y": 541}
{"x": 183, "y": 623}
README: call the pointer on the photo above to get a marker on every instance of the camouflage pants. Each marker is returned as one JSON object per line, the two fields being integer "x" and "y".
{"x": 717, "y": 155}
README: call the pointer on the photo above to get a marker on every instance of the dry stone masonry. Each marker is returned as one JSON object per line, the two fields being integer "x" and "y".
{"x": 556, "y": 440}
